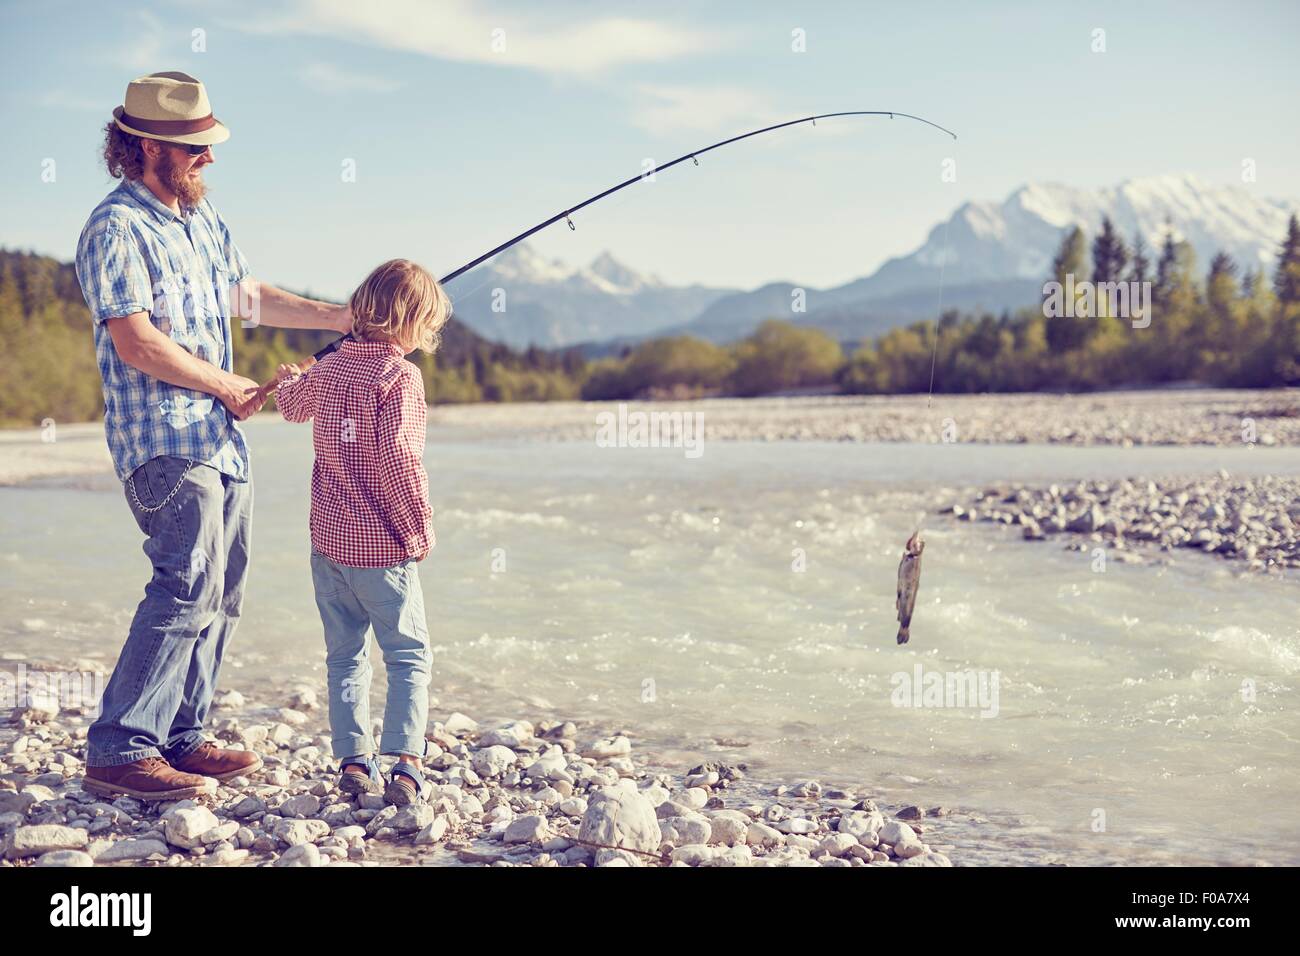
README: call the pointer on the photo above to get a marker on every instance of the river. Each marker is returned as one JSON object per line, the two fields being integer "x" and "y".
{"x": 738, "y": 606}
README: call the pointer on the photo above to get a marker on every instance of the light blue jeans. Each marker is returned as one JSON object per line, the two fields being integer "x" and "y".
{"x": 389, "y": 600}
{"x": 197, "y": 522}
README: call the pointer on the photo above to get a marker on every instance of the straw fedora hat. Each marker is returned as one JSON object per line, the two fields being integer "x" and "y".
{"x": 172, "y": 107}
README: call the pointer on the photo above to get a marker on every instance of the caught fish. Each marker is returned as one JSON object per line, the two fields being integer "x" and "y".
{"x": 909, "y": 581}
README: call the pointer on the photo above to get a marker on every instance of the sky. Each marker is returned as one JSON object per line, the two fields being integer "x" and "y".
{"x": 467, "y": 123}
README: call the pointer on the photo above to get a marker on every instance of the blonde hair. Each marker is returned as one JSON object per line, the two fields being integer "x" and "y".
{"x": 400, "y": 302}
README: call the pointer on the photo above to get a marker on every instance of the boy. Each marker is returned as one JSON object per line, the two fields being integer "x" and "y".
{"x": 370, "y": 519}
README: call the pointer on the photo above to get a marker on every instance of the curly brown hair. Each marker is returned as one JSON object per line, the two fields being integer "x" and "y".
{"x": 122, "y": 153}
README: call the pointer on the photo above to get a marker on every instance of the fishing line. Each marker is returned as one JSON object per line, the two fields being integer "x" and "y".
{"x": 943, "y": 266}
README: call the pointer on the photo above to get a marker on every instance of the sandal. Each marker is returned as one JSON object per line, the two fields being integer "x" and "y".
{"x": 357, "y": 782}
{"x": 406, "y": 785}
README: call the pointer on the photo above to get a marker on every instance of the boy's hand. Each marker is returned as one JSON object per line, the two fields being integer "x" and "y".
{"x": 286, "y": 372}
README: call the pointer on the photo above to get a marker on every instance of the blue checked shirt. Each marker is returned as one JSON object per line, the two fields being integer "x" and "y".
{"x": 136, "y": 255}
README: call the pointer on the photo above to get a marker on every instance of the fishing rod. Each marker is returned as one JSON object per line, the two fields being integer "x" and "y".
{"x": 566, "y": 214}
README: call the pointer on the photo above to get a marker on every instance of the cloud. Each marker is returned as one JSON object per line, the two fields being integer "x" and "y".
{"x": 695, "y": 109}
{"x": 144, "y": 46}
{"x": 327, "y": 78}
{"x": 463, "y": 32}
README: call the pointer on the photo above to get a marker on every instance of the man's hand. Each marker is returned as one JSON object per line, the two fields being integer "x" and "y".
{"x": 242, "y": 396}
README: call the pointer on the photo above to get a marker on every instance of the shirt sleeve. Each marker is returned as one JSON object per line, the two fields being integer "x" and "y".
{"x": 400, "y": 434}
{"x": 296, "y": 399}
{"x": 112, "y": 272}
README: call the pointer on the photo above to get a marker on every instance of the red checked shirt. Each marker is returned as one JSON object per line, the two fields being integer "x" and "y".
{"x": 369, "y": 490}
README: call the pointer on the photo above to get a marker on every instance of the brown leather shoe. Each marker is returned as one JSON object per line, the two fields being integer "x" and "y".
{"x": 213, "y": 761}
{"x": 149, "y": 779}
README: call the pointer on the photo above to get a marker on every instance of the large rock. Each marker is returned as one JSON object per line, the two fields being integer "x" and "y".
{"x": 517, "y": 735}
{"x": 434, "y": 832}
{"x": 682, "y": 831}
{"x": 862, "y": 826}
{"x": 14, "y": 802}
{"x": 185, "y": 826}
{"x": 621, "y": 818}
{"x": 728, "y": 827}
{"x": 608, "y": 747}
{"x": 895, "y": 832}
{"x": 300, "y": 854}
{"x": 906, "y": 849}
{"x": 839, "y": 844}
{"x": 732, "y": 856}
{"x": 65, "y": 858}
{"x": 531, "y": 828}
{"x": 35, "y": 840}
{"x": 298, "y": 832}
{"x": 411, "y": 818}
{"x": 696, "y": 854}
{"x": 547, "y": 766}
{"x": 760, "y": 834}
{"x": 248, "y": 806}
{"x": 458, "y": 725}
{"x": 493, "y": 761}
{"x": 124, "y": 850}
{"x": 301, "y": 806}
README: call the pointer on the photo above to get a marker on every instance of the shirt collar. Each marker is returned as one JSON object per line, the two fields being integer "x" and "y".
{"x": 372, "y": 348}
{"x": 144, "y": 195}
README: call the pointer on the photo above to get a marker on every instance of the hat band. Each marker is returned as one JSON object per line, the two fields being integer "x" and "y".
{"x": 169, "y": 127}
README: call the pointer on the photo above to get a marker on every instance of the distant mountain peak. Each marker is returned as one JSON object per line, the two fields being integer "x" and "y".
{"x": 994, "y": 255}
{"x": 523, "y": 263}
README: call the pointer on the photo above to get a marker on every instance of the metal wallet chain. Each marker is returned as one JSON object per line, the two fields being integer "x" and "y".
{"x": 130, "y": 481}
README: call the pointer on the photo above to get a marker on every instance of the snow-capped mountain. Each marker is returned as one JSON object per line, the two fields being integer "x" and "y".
{"x": 1018, "y": 237}
{"x": 522, "y": 298}
{"x": 998, "y": 256}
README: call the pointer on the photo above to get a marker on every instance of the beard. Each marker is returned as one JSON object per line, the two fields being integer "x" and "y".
{"x": 189, "y": 192}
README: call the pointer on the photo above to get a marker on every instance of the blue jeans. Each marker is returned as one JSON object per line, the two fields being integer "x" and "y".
{"x": 351, "y": 602}
{"x": 198, "y": 525}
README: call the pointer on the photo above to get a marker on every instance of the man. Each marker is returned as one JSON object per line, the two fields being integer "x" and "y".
{"x": 159, "y": 270}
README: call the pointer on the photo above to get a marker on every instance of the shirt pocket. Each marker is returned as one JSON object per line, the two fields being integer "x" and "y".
{"x": 382, "y": 587}
{"x": 181, "y": 411}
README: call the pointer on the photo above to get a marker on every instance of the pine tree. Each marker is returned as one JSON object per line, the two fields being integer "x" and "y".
{"x": 1141, "y": 265}
{"x": 1166, "y": 268}
{"x": 1286, "y": 280}
{"x": 1066, "y": 332}
{"x": 1108, "y": 254}
{"x": 1248, "y": 283}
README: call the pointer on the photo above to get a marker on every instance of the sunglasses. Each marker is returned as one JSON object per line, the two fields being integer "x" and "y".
{"x": 193, "y": 149}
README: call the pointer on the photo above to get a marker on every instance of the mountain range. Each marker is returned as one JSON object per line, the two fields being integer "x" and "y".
{"x": 998, "y": 256}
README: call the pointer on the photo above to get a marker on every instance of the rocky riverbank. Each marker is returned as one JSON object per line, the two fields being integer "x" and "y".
{"x": 1253, "y": 520}
{"x": 517, "y": 793}
{"x": 1268, "y": 418}
{"x": 1217, "y": 417}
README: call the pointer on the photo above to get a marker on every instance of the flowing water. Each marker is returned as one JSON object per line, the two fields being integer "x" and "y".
{"x": 1140, "y": 713}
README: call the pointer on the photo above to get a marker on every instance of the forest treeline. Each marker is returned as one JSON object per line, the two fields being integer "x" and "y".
{"x": 1224, "y": 326}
